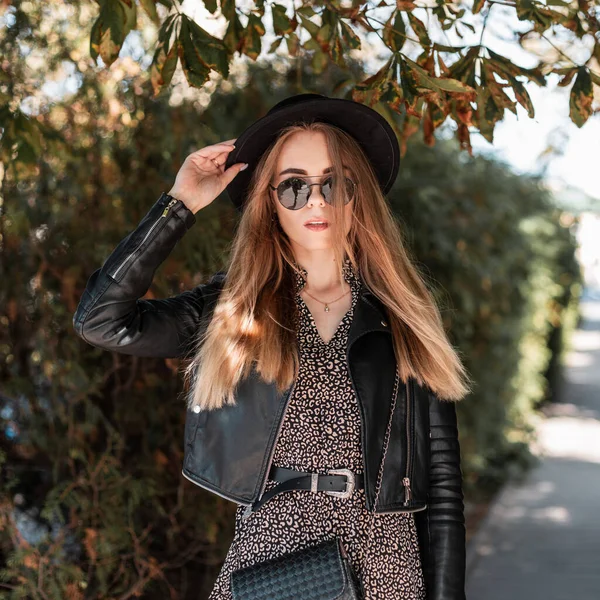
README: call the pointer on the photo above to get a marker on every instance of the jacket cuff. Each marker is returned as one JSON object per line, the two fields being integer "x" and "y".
{"x": 180, "y": 209}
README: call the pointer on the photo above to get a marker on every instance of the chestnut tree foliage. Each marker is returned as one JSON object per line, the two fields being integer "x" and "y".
{"x": 424, "y": 77}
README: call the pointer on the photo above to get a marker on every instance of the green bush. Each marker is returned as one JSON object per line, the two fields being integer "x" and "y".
{"x": 502, "y": 265}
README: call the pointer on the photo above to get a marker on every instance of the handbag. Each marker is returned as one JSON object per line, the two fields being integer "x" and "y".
{"x": 321, "y": 571}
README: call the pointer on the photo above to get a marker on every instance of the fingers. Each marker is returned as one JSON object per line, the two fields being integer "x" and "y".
{"x": 228, "y": 175}
{"x": 209, "y": 151}
{"x": 213, "y": 157}
{"x": 220, "y": 158}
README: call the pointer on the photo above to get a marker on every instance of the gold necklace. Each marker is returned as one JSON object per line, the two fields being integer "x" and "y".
{"x": 328, "y": 303}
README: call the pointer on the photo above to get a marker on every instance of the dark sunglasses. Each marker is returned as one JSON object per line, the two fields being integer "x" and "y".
{"x": 294, "y": 192}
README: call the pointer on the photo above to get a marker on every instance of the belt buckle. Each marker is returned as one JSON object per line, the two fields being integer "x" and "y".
{"x": 349, "y": 483}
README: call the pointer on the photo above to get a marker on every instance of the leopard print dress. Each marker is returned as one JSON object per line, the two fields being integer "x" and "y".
{"x": 321, "y": 430}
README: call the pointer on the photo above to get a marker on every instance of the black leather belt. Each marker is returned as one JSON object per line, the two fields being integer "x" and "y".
{"x": 337, "y": 482}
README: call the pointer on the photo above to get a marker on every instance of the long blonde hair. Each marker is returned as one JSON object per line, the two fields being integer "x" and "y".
{"x": 255, "y": 317}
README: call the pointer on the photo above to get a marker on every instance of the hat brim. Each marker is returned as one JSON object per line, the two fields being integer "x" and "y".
{"x": 372, "y": 131}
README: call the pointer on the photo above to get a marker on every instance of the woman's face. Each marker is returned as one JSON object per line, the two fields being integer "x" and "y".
{"x": 306, "y": 154}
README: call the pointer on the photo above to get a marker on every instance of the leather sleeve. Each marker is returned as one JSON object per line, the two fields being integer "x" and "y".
{"x": 447, "y": 534}
{"x": 111, "y": 315}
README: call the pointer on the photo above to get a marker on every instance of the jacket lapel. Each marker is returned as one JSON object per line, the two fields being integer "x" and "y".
{"x": 369, "y": 315}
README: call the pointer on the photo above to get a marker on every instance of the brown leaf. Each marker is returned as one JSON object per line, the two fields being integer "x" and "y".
{"x": 91, "y": 535}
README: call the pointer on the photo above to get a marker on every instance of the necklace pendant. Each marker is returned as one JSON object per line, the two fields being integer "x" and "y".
{"x": 326, "y": 308}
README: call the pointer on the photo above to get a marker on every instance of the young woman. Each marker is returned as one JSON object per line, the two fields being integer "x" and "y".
{"x": 299, "y": 349}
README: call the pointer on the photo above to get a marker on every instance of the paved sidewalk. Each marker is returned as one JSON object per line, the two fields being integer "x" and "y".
{"x": 541, "y": 538}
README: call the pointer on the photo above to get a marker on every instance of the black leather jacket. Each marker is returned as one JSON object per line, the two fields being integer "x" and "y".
{"x": 229, "y": 451}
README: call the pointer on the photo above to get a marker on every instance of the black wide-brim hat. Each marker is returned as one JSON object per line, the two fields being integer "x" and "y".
{"x": 372, "y": 131}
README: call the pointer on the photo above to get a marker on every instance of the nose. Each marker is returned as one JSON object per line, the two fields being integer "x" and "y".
{"x": 315, "y": 195}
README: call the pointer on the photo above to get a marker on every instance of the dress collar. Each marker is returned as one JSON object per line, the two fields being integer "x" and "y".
{"x": 348, "y": 272}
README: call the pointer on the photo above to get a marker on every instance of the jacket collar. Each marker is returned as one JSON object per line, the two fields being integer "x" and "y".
{"x": 369, "y": 315}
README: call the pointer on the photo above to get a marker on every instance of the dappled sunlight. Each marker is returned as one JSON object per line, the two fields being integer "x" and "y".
{"x": 554, "y": 514}
{"x": 586, "y": 341}
{"x": 573, "y": 437}
{"x": 579, "y": 360}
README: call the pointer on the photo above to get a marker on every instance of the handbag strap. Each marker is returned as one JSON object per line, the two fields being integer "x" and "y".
{"x": 380, "y": 473}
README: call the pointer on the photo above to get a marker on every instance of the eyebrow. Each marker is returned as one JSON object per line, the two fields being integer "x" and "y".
{"x": 303, "y": 172}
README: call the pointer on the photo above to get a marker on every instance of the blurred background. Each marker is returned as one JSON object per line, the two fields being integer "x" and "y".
{"x": 92, "y": 501}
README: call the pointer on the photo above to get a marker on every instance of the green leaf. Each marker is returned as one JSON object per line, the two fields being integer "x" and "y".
{"x": 336, "y": 51}
{"x": 319, "y": 62}
{"x": 522, "y": 96}
{"x": 150, "y": 7}
{"x": 373, "y": 87}
{"x": 129, "y": 8}
{"x": 379, "y": 78}
{"x": 444, "y": 48}
{"x": 110, "y": 29}
{"x": 477, "y": 6}
{"x": 276, "y": 43}
{"x": 452, "y": 85}
{"x": 164, "y": 60}
{"x": 503, "y": 63}
{"x": 235, "y": 36}
{"x": 211, "y": 6}
{"x": 210, "y": 50}
{"x": 306, "y": 11}
{"x": 393, "y": 97}
{"x": 394, "y": 32}
{"x": 497, "y": 94}
{"x": 481, "y": 118}
{"x": 324, "y": 34}
{"x": 281, "y": 22}
{"x": 438, "y": 83}
{"x": 409, "y": 85}
{"x": 293, "y": 44}
{"x": 581, "y": 98}
{"x": 541, "y": 16}
{"x": 195, "y": 69}
{"x": 253, "y": 36}
{"x": 352, "y": 40}
{"x": 312, "y": 28}
{"x": 464, "y": 68}
{"x": 419, "y": 28}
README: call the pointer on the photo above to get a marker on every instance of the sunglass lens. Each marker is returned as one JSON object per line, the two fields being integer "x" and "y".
{"x": 293, "y": 192}
{"x": 328, "y": 189}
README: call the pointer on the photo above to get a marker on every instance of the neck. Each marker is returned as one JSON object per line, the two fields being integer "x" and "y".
{"x": 322, "y": 275}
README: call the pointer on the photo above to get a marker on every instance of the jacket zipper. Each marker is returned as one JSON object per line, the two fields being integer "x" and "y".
{"x": 216, "y": 492}
{"x": 159, "y": 220}
{"x": 404, "y": 510}
{"x": 406, "y": 480}
{"x": 362, "y": 437}
{"x": 272, "y": 451}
